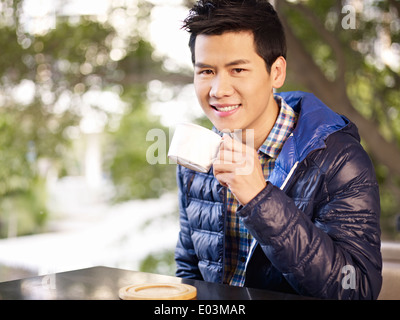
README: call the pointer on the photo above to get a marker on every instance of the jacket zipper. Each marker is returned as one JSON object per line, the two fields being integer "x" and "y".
{"x": 224, "y": 234}
{"x": 289, "y": 175}
{"x": 254, "y": 244}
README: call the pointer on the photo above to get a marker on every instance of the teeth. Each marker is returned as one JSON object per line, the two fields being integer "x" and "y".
{"x": 226, "y": 109}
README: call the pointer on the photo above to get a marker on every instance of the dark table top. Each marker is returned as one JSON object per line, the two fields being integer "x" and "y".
{"x": 103, "y": 283}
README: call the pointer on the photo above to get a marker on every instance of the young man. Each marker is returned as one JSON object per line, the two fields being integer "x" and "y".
{"x": 305, "y": 218}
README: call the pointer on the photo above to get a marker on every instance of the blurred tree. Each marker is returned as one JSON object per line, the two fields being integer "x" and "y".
{"x": 53, "y": 82}
{"x": 132, "y": 175}
{"x": 347, "y": 53}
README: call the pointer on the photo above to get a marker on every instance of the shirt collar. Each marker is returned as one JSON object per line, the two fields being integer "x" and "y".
{"x": 282, "y": 129}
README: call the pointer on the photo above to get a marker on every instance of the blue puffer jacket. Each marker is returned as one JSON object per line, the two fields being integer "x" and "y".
{"x": 316, "y": 223}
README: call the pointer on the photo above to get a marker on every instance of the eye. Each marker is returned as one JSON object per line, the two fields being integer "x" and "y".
{"x": 206, "y": 72}
{"x": 238, "y": 70}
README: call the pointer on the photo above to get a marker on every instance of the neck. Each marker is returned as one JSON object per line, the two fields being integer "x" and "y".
{"x": 261, "y": 134}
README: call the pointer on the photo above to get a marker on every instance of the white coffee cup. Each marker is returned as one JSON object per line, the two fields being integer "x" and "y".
{"x": 194, "y": 147}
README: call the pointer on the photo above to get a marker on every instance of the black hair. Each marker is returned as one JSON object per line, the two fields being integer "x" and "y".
{"x": 214, "y": 17}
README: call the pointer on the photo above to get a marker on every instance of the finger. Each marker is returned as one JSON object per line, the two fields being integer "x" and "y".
{"x": 226, "y": 142}
{"x": 234, "y": 145}
{"x": 223, "y": 178}
{"x": 231, "y": 151}
{"x": 224, "y": 153}
{"x": 223, "y": 167}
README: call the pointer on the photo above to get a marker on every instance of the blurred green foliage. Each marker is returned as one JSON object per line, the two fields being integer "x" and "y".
{"x": 44, "y": 79}
{"x": 162, "y": 262}
{"x": 131, "y": 173}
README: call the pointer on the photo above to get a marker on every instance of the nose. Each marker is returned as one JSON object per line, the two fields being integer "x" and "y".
{"x": 221, "y": 87}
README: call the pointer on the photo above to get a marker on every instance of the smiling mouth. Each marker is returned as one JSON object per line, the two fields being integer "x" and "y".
{"x": 226, "y": 108}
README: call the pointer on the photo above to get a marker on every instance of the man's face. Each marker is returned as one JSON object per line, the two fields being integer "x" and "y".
{"x": 232, "y": 83}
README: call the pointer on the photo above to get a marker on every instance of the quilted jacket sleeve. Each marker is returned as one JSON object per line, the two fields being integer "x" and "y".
{"x": 185, "y": 256}
{"x": 332, "y": 250}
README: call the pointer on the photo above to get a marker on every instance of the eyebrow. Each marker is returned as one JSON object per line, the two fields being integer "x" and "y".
{"x": 229, "y": 64}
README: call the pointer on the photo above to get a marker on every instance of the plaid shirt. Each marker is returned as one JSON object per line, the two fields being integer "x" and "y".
{"x": 238, "y": 240}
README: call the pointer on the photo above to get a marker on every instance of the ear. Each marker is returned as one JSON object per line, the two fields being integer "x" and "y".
{"x": 278, "y": 72}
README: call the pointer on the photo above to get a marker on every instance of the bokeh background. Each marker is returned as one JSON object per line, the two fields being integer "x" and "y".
{"x": 82, "y": 83}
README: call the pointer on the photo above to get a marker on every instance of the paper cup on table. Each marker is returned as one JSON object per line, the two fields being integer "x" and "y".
{"x": 158, "y": 291}
{"x": 194, "y": 147}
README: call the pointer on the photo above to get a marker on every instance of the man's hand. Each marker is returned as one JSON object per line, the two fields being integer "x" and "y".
{"x": 237, "y": 167}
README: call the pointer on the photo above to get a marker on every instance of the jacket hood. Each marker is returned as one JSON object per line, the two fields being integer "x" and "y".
{"x": 315, "y": 123}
